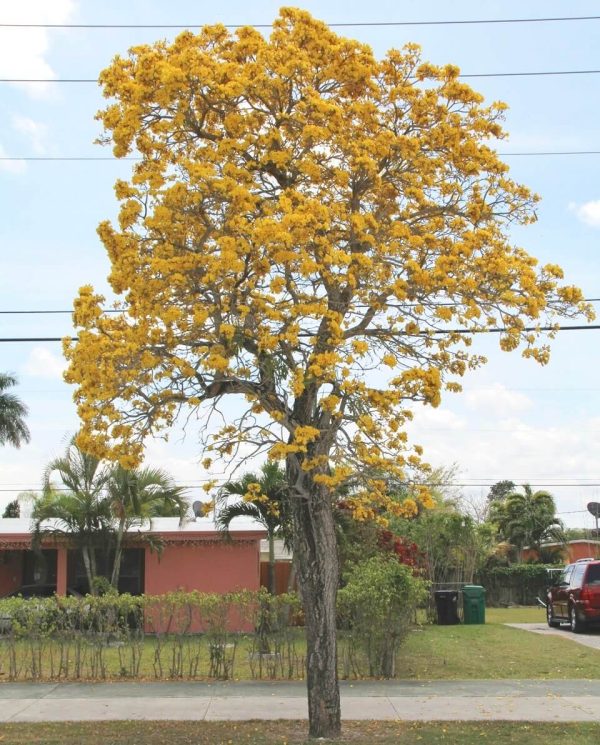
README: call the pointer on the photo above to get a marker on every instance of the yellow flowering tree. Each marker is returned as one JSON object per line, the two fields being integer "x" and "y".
{"x": 303, "y": 219}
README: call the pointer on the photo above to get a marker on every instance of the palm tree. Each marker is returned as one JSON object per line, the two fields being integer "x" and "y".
{"x": 77, "y": 508}
{"x": 269, "y": 507}
{"x": 528, "y": 519}
{"x": 13, "y": 429}
{"x": 135, "y": 497}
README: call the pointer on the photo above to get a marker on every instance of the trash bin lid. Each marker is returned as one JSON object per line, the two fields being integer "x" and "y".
{"x": 473, "y": 591}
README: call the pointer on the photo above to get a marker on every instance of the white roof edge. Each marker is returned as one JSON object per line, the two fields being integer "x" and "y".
{"x": 568, "y": 543}
{"x": 19, "y": 525}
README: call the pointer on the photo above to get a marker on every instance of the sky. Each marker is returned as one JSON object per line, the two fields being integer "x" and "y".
{"x": 514, "y": 420}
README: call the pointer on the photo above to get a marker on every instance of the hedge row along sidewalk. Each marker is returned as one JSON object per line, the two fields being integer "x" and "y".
{"x": 198, "y": 635}
{"x": 428, "y": 653}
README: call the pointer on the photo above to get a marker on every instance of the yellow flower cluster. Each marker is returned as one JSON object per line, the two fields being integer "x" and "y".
{"x": 304, "y": 229}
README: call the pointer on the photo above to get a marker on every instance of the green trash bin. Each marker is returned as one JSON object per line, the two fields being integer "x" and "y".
{"x": 473, "y": 604}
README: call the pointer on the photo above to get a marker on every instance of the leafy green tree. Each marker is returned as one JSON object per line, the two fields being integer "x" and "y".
{"x": 135, "y": 498}
{"x": 95, "y": 504}
{"x": 528, "y": 519}
{"x": 12, "y": 509}
{"x": 500, "y": 490}
{"x": 264, "y": 498}
{"x": 13, "y": 430}
{"x": 454, "y": 545}
{"x": 73, "y": 504}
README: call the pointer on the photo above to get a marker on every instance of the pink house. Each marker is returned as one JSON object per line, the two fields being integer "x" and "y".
{"x": 580, "y": 548}
{"x": 194, "y": 556}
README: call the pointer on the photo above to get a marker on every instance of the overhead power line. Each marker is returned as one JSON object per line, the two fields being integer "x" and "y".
{"x": 555, "y": 152}
{"x": 54, "y": 312}
{"x": 344, "y": 24}
{"x": 527, "y": 329}
{"x": 486, "y": 485}
{"x": 113, "y": 310}
{"x": 527, "y": 74}
{"x": 32, "y": 339}
{"x": 536, "y": 73}
{"x": 66, "y": 158}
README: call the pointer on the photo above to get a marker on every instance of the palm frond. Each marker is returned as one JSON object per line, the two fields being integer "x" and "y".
{"x": 13, "y": 429}
{"x": 240, "y": 509}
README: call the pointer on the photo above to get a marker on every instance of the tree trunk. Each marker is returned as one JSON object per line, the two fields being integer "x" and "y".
{"x": 272, "y": 575}
{"x": 85, "y": 551}
{"x": 315, "y": 556}
{"x": 116, "y": 570}
{"x": 292, "y": 577}
{"x": 94, "y": 567}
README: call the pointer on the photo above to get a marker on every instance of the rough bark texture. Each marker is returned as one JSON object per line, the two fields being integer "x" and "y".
{"x": 116, "y": 570}
{"x": 87, "y": 563}
{"x": 315, "y": 554}
{"x": 272, "y": 575}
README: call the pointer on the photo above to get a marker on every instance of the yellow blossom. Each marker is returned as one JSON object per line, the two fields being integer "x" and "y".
{"x": 304, "y": 231}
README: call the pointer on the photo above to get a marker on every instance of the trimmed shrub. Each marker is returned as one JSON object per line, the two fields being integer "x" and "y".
{"x": 376, "y": 609}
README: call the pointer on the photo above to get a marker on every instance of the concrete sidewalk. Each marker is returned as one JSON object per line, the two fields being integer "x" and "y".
{"x": 519, "y": 700}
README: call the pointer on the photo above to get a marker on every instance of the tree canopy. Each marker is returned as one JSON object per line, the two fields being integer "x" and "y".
{"x": 135, "y": 498}
{"x": 73, "y": 504}
{"x": 12, "y": 509}
{"x": 527, "y": 519}
{"x": 13, "y": 429}
{"x": 304, "y": 217}
{"x": 94, "y": 504}
{"x": 500, "y": 490}
{"x": 263, "y": 497}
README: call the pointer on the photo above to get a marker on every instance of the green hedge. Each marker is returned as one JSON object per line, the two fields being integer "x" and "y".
{"x": 176, "y": 635}
{"x": 197, "y": 635}
{"x": 519, "y": 584}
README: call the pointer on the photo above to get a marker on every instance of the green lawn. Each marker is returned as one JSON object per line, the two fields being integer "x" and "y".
{"x": 493, "y": 651}
{"x": 294, "y": 733}
{"x": 517, "y": 614}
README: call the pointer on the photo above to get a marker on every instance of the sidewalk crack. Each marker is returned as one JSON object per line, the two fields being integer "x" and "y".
{"x": 29, "y": 704}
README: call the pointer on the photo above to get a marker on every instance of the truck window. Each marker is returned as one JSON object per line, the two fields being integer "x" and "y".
{"x": 566, "y": 577}
{"x": 577, "y": 575}
{"x": 593, "y": 575}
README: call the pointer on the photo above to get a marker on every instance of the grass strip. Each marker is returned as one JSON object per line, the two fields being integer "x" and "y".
{"x": 294, "y": 733}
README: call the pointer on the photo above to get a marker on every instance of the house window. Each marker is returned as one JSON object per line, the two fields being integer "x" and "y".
{"x": 131, "y": 576}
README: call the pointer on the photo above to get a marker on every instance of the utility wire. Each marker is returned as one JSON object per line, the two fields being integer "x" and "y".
{"x": 345, "y": 24}
{"x": 63, "y": 158}
{"x": 526, "y": 74}
{"x": 218, "y": 483}
{"x": 51, "y": 312}
{"x": 462, "y": 75}
{"x": 33, "y": 339}
{"x": 555, "y": 152}
{"x": 113, "y": 310}
{"x": 67, "y": 157}
{"x": 593, "y": 327}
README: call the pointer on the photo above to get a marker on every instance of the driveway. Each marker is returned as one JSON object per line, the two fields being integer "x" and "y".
{"x": 589, "y": 639}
